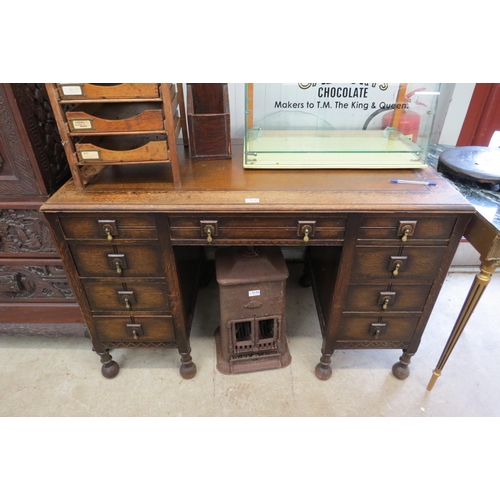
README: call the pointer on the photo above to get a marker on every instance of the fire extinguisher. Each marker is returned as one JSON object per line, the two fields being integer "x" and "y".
{"x": 409, "y": 121}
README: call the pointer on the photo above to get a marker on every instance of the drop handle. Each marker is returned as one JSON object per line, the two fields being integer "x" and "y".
{"x": 376, "y": 333}
{"x": 209, "y": 230}
{"x": 127, "y": 304}
{"x": 386, "y": 303}
{"x": 406, "y": 232}
{"x": 396, "y": 269}
{"x": 108, "y": 233}
{"x": 134, "y": 333}
{"x": 118, "y": 268}
{"x": 306, "y": 231}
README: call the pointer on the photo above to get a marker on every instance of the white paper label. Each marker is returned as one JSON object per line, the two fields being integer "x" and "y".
{"x": 253, "y": 293}
{"x": 81, "y": 124}
{"x": 90, "y": 155}
{"x": 252, "y": 200}
{"x": 71, "y": 90}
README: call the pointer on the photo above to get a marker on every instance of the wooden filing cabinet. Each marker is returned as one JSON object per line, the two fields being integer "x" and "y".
{"x": 119, "y": 124}
{"x": 376, "y": 253}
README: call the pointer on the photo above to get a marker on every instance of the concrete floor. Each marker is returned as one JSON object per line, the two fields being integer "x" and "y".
{"x": 61, "y": 376}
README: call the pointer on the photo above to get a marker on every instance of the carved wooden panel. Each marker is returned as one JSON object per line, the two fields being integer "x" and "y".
{"x": 44, "y": 281}
{"x": 16, "y": 175}
{"x": 29, "y": 145}
{"x": 47, "y": 329}
{"x": 34, "y": 106}
{"x": 24, "y": 231}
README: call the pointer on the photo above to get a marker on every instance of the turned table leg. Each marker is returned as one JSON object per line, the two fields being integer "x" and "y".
{"x": 188, "y": 368}
{"x": 109, "y": 368}
{"x": 480, "y": 283}
{"x": 324, "y": 368}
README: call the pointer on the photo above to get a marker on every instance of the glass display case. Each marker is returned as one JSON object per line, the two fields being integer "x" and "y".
{"x": 338, "y": 125}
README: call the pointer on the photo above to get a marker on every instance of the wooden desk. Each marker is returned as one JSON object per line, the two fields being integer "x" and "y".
{"x": 376, "y": 253}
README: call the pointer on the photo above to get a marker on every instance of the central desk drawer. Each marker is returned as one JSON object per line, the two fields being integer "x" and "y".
{"x": 286, "y": 227}
{"x": 138, "y": 329}
{"x": 122, "y": 261}
{"x": 127, "y": 295}
{"x": 417, "y": 263}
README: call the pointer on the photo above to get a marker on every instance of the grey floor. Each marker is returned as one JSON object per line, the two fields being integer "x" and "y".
{"x": 61, "y": 376}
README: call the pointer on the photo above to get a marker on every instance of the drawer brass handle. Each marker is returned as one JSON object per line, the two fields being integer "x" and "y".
{"x": 134, "y": 333}
{"x": 209, "y": 231}
{"x": 406, "y": 232}
{"x": 306, "y": 231}
{"x": 376, "y": 333}
{"x": 118, "y": 268}
{"x": 108, "y": 233}
{"x": 386, "y": 303}
{"x": 127, "y": 303}
{"x": 396, "y": 269}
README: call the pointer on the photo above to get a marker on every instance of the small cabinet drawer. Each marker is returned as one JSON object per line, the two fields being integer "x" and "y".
{"x": 129, "y": 296}
{"x": 377, "y": 328}
{"x": 93, "y": 260}
{"x": 140, "y": 329}
{"x": 110, "y": 228}
{"x": 122, "y": 149}
{"x": 307, "y": 228}
{"x": 417, "y": 263}
{"x": 365, "y": 297}
{"x": 91, "y": 91}
{"x": 392, "y": 227}
{"x": 115, "y": 117}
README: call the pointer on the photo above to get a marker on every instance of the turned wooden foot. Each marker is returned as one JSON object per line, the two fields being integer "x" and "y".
{"x": 109, "y": 368}
{"x": 323, "y": 369}
{"x": 188, "y": 368}
{"x": 401, "y": 369}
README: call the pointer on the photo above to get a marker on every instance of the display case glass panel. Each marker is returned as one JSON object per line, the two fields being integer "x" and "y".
{"x": 338, "y": 125}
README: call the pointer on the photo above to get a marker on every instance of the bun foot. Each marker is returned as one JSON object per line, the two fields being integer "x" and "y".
{"x": 401, "y": 370}
{"x": 188, "y": 368}
{"x": 109, "y": 368}
{"x": 323, "y": 369}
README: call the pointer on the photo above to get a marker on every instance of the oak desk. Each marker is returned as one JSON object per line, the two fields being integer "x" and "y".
{"x": 376, "y": 253}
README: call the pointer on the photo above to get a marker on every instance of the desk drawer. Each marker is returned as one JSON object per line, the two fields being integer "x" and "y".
{"x": 122, "y": 261}
{"x": 118, "y": 226}
{"x": 417, "y": 264}
{"x": 392, "y": 227}
{"x": 90, "y": 91}
{"x": 193, "y": 229}
{"x": 115, "y": 117}
{"x": 139, "y": 329}
{"x": 126, "y": 296}
{"x": 365, "y": 328}
{"x": 396, "y": 297}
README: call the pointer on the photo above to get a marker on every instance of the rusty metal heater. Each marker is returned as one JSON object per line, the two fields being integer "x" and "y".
{"x": 252, "y": 331}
